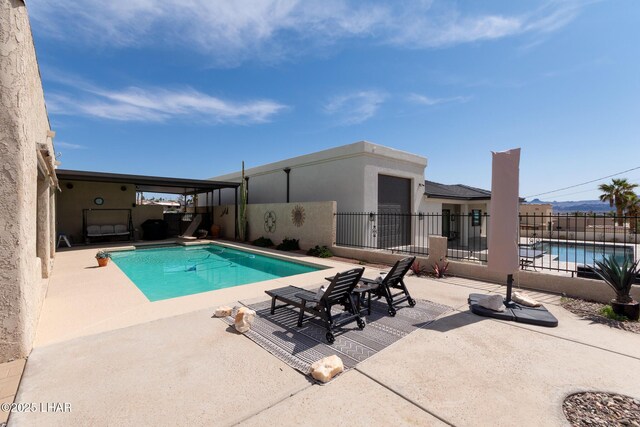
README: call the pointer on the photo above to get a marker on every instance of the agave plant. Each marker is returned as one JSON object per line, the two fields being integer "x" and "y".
{"x": 619, "y": 277}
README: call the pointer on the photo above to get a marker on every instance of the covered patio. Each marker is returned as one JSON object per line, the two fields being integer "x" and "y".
{"x": 107, "y": 199}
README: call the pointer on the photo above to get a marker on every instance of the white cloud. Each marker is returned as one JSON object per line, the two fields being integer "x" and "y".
{"x": 270, "y": 30}
{"x": 159, "y": 105}
{"x": 62, "y": 144}
{"x": 356, "y": 107}
{"x": 430, "y": 101}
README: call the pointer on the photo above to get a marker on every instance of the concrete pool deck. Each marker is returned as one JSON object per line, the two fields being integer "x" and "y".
{"x": 120, "y": 360}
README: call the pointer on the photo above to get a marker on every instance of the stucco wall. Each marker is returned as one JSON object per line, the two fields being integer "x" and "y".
{"x": 224, "y": 216}
{"x": 588, "y": 289}
{"x": 274, "y": 221}
{"x": 595, "y": 290}
{"x": 71, "y": 202}
{"x": 535, "y": 209}
{"x": 318, "y": 227}
{"x": 23, "y": 124}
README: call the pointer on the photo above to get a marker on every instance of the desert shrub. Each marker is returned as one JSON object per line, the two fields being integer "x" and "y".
{"x": 440, "y": 268}
{"x": 320, "y": 252}
{"x": 289, "y": 245}
{"x": 418, "y": 269}
{"x": 607, "y": 311}
{"x": 263, "y": 242}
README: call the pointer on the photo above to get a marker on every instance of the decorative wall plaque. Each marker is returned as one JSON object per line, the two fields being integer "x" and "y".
{"x": 298, "y": 216}
{"x": 270, "y": 222}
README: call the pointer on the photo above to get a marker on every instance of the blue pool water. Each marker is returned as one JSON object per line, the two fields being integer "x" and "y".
{"x": 584, "y": 254}
{"x": 170, "y": 272}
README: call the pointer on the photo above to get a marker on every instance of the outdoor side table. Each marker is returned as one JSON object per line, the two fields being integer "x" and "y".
{"x": 364, "y": 291}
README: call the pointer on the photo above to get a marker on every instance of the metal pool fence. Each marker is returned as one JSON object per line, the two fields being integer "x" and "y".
{"x": 559, "y": 242}
{"x": 573, "y": 242}
{"x": 409, "y": 233}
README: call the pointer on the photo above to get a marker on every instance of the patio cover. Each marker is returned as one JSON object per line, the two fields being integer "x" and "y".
{"x": 154, "y": 184}
{"x": 148, "y": 184}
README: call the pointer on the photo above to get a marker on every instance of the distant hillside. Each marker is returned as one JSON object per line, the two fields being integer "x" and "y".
{"x": 578, "y": 206}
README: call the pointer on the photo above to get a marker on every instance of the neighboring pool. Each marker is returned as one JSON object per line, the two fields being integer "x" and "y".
{"x": 584, "y": 253}
{"x": 169, "y": 272}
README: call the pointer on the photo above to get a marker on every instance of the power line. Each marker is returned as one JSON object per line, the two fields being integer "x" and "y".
{"x": 584, "y": 183}
{"x": 557, "y": 196}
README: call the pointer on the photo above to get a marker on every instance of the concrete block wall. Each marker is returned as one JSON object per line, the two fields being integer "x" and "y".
{"x": 595, "y": 290}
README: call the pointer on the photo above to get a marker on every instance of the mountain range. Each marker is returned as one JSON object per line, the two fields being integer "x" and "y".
{"x": 578, "y": 206}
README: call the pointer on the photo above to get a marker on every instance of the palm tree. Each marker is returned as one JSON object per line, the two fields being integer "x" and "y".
{"x": 633, "y": 211}
{"x": 617, "y": 194}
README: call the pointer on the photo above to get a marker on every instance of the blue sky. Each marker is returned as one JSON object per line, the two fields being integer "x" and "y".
{"x": 192, "y": 88}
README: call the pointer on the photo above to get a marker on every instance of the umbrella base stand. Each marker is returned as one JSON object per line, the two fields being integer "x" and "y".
{"x": 514, "y": 312}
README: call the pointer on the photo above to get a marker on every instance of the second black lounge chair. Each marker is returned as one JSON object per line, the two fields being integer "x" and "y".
{"x": 393, "y": 281}
{"x": 338, "y": 292}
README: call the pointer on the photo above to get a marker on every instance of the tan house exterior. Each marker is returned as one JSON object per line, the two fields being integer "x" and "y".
{"x": 27, "y": 185}
{"x": 531, "y": 209}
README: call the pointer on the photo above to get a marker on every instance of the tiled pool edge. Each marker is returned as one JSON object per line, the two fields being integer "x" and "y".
{"x": 243, "y": 247}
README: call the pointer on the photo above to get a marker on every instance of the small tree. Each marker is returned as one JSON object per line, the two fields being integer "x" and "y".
{"x": 633, "y": 211}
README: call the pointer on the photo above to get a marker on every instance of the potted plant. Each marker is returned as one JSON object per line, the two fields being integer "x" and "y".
{"x": 620, "y": 278}
{"x": 103, "y": 258}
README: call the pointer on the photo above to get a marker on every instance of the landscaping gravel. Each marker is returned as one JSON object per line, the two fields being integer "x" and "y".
{"x": 601, "y": 409}
{"x": 591, "y": 311}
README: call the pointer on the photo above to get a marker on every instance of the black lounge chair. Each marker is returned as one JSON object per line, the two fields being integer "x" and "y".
{"x": 588, "y": 272}
{"x": 394, "y": 281}
{"x": 338, "y": 292}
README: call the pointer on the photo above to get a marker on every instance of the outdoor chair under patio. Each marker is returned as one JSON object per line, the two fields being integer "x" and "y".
{"x": 393, "y": 281}
{"x": 338, "y": 292}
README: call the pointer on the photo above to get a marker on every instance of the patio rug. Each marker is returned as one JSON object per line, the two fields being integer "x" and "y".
{"x": 301, "y": 347}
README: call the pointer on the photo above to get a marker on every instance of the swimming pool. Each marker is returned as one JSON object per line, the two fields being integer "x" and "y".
{"x": 584, "y": 253}
{"x": 169, "y": 272}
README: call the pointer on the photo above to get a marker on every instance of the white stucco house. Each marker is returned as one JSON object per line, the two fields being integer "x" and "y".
{"x": 456, "y": 202}
{"x": 363, "y": 178}
{"x": 359, "y": 177}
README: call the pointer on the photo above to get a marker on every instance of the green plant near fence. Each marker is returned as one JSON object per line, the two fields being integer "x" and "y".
{"x": 320, "y": 252}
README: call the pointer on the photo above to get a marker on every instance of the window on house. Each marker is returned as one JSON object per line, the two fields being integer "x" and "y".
{"x": 476, "y": 217}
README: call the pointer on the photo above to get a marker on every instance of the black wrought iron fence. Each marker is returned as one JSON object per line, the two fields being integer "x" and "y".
{"x": 573, "y": 242}
{"x": 409, "y": 233}
{"x": 568, "y": 243}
